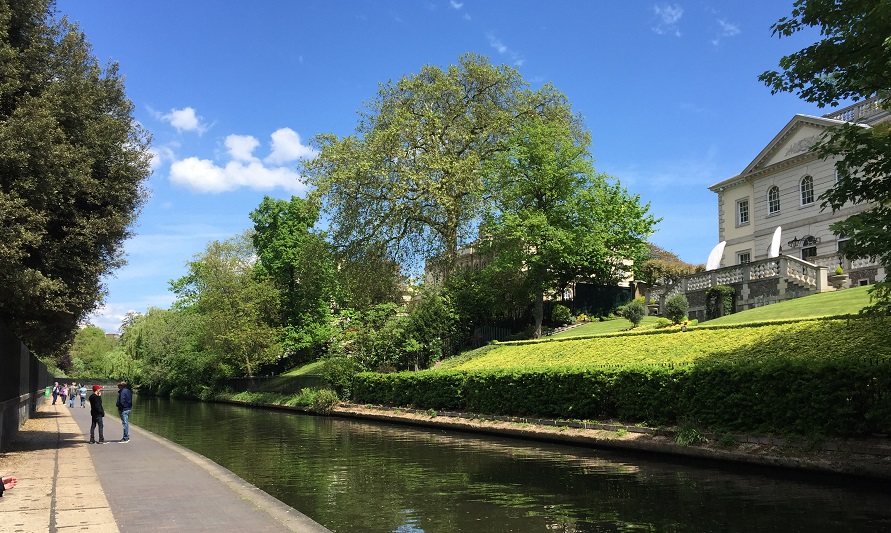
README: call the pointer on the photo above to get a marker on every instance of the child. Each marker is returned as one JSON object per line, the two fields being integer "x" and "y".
{"x": 97, "y": 412}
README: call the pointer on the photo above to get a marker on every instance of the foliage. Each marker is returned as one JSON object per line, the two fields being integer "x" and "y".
{"x": 676, "y": 307}
{"x": 735, "y": 382}
{"x": 719, "y": 301}
{"x": 234, "y": 303}
{"x": 553, "y": 219}
{"x": 297, "y": 262}
{"x": 409, "y": 179}
{"x": 661, "y": 267}
{"x": 168, "y": 350}
{"x": 662, "y": 322}
{"x": 73, "y": 162}
{"x": 839, "y": 271}
{"x": 634, "y": 311}
{"x": 561, "y": 315}
{"x": 88, "y": 352}
{"x": 338, "y": 372}
{"x": 325, "y": 401}
{"x": 849, "y": 62}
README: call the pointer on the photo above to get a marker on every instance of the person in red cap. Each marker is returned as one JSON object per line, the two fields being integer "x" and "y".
{"x": 97, "y": 412}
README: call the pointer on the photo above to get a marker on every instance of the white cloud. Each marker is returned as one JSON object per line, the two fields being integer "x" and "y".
{"x": 515, "y": 58}
{"x": 728, "y": 29}
{"x": 667, "y": 18}
{"x": 456, "y": 5}
{"x": 203, "y": 175}
{"x": 241, "y": 147}
{"x": 286, "y": 147}
{"x": 184, "y": 120}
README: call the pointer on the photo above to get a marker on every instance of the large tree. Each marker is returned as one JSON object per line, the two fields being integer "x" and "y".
{"x": 297, "y": 260}
{"x": 237, "y": 306}
{"x": 852, "y": 61}
{"x": 409, "y": 178}
{"x": 72, "y": 165}
{"x": 555, "y": 220}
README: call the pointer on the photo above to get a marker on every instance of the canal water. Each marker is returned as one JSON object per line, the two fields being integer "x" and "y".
{"x": 357, "y": 476}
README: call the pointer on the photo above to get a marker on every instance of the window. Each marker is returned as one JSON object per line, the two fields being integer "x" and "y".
{"x": 773, "y": 200}
{"x": 808, "y": 247}
{"x": 840, "y": 242}
{"x": 742, "y": 212}
{"x": 743, "y": 258}
{"x": 807, "y": 190}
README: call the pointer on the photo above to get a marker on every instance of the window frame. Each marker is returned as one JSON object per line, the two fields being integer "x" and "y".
{"x": 806, "y": 190}
{"x": 740, "y": 255}
{"x": 740, "y": 204}
{"x": 773, "y": 198}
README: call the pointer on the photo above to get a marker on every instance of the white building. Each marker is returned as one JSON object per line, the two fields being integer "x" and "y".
{"x": 781, "y": 187}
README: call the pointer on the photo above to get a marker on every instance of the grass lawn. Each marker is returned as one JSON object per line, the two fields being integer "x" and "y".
{"x": 843, "y": 302}
{"x": 607, "y": 326}
{"x": 311, "y": 368}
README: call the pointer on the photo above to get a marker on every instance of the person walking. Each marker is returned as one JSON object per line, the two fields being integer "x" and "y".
{"x": 72, "y": 391}
{"x": 97, "y": 412}
{"x": 55, "y": 392}
{"x": 83, "y": 395}
{"x": 124, "y": 404}
{"x": 63, "y": 392}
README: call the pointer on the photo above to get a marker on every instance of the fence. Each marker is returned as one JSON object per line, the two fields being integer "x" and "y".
{"x": 23, "y": 381}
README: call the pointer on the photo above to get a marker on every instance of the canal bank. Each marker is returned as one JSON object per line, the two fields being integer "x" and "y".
{"x": 866, "y": 457}
{"x": 148, "y": 484}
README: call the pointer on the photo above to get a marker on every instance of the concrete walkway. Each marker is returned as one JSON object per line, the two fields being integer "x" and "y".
{"x": 148, "y": 484}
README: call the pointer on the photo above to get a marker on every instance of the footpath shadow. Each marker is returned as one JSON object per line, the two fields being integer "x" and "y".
{"x": 43, "y": 433}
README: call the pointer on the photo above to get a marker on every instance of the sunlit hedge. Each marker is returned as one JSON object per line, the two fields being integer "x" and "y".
{"x": 828, "y": 377}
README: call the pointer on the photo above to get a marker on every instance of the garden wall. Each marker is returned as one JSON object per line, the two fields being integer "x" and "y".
{"x": 23, "y": 381}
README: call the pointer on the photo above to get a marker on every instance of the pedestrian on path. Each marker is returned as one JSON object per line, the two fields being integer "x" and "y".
{"x": 8, "y": 484}
{"x": 124, "y": 404}
{"x": 83, "y": 395}
{"x": 55, "y": 391}
{"x": 97, "y": 412}
{"x": 72, "y": 391}
{"x": 63, "y": 392}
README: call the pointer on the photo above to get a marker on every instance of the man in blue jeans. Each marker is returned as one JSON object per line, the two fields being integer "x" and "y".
{"x": 124, "y": 404}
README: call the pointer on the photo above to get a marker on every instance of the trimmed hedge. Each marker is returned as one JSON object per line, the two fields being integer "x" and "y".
{"x": 840, "y": 388}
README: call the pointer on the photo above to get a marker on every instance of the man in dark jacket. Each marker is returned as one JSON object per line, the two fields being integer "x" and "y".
{"x": 97, "y": 412}
{"x": 124, "y": 404}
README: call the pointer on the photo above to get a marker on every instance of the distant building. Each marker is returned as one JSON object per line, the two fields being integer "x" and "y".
{"x": 781, "y": 188}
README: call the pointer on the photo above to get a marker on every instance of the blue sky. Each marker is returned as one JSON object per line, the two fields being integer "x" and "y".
{"x": 233, "y": 92}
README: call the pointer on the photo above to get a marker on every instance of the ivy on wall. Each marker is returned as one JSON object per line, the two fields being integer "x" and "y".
{"x": 719, "y": 301}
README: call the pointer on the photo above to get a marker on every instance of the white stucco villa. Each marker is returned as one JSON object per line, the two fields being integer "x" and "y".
{"x": 781, "y": 188}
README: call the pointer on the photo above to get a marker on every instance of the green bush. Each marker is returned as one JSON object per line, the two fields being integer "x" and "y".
{"x": 676, "y": 307}
{"x": 662, "y": 322}
{"x": 561, "y": 315}
{"x": 338, "y": 372}
{"x": 635, "y": 311}
{"x": 325, "y": 401}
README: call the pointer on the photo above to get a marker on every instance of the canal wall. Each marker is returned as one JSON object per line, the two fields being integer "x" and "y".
{"x": 23, "y": 381}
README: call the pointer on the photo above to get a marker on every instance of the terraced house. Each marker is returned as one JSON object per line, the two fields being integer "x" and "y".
{"x": 781, "y": 188}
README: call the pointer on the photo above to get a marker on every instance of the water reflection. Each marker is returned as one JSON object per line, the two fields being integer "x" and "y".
{"x": 356, "y": 476}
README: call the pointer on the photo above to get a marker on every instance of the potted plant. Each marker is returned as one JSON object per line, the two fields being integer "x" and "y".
{"x": 839, "y": 279}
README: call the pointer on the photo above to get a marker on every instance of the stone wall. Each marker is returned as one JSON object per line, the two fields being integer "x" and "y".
{"x": 23, "y": 381}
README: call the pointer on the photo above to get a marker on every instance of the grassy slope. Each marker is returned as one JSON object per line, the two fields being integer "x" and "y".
{"x": 844, "y": 302}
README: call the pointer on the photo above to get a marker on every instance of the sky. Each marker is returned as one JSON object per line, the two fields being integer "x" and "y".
{"x": 233, "y": 93}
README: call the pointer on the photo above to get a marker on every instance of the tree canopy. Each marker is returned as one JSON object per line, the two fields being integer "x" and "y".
{"x": 852, "y": 61}
{"x": 72, "y": 166}
{"x": 409, "y": 178}
{"x": 553, "y": 218}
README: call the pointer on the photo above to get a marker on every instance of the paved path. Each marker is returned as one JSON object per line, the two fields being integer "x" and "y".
{"x": 148, "y": 484}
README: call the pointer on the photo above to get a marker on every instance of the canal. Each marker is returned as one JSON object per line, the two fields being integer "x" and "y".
{"x": 357, "y": 476}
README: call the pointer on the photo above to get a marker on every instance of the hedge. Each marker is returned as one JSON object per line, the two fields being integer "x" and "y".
{"x": 831, "y": 378}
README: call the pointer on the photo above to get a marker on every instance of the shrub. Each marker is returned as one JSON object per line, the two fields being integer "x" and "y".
{"x": 662, "y": 322}
{"x": 676, "y": 307}
{"x": 339, "y": 372}
{"x": 839, "y": 271}
{"x": 719, "y": 301}
{"x": 561, "y": 315}
{"x": 325, "y": 401}
{"x": 635, "y": 311}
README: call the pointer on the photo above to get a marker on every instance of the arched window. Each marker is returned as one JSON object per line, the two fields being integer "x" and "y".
{"x": 773, "y": 200}
{"x": 807, "y": 190}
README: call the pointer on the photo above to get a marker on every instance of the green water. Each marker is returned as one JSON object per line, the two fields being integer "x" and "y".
{"x": 356, "y": 476}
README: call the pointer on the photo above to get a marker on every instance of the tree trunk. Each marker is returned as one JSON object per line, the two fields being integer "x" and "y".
{"x": 538, "y": 314}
